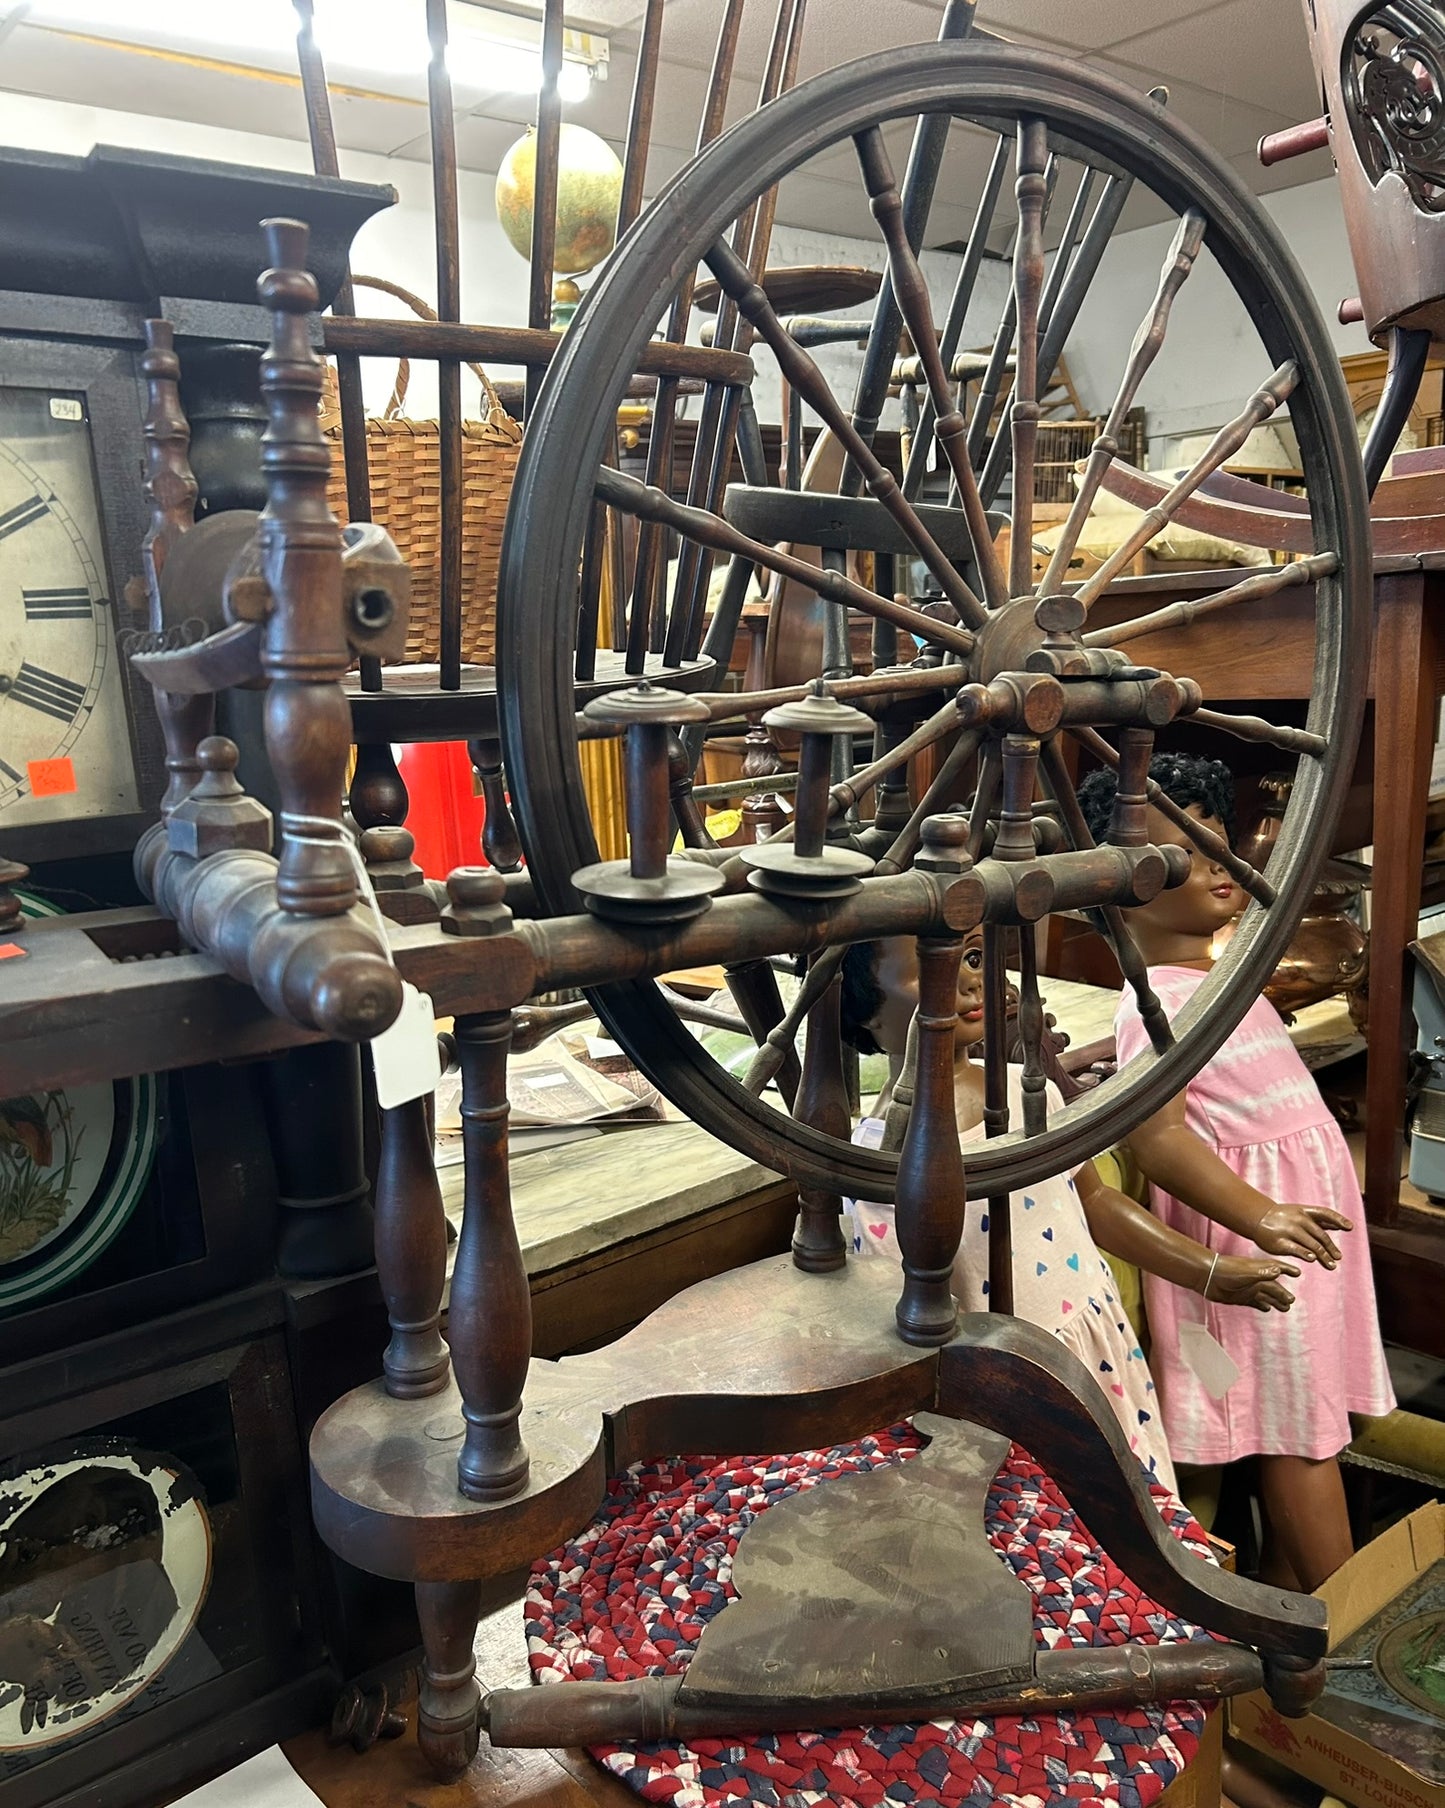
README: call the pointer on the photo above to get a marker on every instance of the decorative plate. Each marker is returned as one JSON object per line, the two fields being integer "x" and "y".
{"x": 105, "y": 1562}
{"x": 73, "y": 1164}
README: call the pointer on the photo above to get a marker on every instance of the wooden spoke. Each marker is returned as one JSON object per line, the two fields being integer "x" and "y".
{"x": 1263, "y": 582}
{"x": 912, "y": 295}
{"x": 806, "y": 380}
{"x": 779, "y": 1043}
{"x": 990, "y": 778}
{"x": 1147, "y": 343}
{"x": 846, "y": 795}
{"x": 1213, "y": 846}
{"x": 922, "y": 439}
{"x": 1110, "y": 920}
{"x": 996, "y": 1114}
{"x": 1063, "y": 257}
{"x": 725, "y": 705}
{"x": 1033, "y": 151}
{"x": 1255, "y": 728}
{"x": 934, "y": 799}
{"x": 1278, "y": 388}
{"x": 650, "y": 504}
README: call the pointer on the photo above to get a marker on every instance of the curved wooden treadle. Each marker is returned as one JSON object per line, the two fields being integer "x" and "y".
{"x": 765, "y": 1358}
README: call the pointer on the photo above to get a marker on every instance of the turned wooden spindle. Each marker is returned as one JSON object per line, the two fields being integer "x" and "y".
{"x": 1030, "y": 189}
{"x": 170, "y": 490}
{"x": 1129, "y": 818}
{"x": 13, "y": 873}
{"x": 822, "y": 1102}
{"x": 305, "y": 653}
{"x": 930, "y": 1196}
{"x": 1015, "y": 838}
{"x": 501, "y": 844}
{"x": 379, "y": 803}
{"x": 810, "y": 865}
{"x": 900, "y": 1104}
{"x": 490, "y": 1319}
{"x": 411, "y": 1252}
{"x": 650, "y": 885}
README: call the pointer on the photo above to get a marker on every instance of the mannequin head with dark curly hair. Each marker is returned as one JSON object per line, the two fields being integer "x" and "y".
{"x": 1179, "y": 926}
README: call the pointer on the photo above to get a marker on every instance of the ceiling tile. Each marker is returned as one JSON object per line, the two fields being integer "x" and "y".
{"x": 1082, "y": 24}
{"x": 1254, "y": 50}
{"x": 1232, "y": 127}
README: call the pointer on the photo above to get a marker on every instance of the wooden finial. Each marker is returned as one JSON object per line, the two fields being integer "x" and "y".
{"x": 308, "y": 721}
{"x": 170, "y": 484}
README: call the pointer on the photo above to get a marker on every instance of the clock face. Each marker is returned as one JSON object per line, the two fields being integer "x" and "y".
{"x": 65, "y": 746}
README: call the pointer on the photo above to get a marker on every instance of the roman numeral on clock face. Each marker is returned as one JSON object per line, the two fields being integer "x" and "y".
{"x": 22, "y": 515}
{"x": 57, "y": 605}
{"x": 45, "y": 691}
{"x": 7, "y": 771}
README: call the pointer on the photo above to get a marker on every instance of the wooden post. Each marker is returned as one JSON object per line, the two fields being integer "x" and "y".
{"x": 1407, "y": 662}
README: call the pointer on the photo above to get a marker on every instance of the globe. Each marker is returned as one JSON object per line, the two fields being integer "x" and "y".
{"x": 589, "y": 187}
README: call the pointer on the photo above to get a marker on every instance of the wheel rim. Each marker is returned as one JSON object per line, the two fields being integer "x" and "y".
{"x": 543, "y": 541}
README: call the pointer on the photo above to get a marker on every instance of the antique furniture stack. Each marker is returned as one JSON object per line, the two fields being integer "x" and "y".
{"x": 466, "y": 1458}
{"x": 271, "y": 933}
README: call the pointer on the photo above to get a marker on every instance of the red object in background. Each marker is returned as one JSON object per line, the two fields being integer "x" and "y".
{"x": 445, "y": 814}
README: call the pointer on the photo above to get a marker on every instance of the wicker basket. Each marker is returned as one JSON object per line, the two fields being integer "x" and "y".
{"x": 405, "y": 465}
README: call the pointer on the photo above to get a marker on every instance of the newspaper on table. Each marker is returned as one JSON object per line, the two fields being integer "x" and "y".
{"x": 566, "y": 1089}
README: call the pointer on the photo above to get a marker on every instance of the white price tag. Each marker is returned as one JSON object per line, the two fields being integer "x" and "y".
{"x": 405, "y": 1057}
{"x": 1212, "y": 1363}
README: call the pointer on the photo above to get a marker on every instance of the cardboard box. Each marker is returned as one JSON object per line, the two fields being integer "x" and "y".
{"x": 1343, "y": 1763}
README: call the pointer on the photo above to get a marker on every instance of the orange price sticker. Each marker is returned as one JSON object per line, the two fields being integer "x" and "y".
{"x": 9, "y": 950}
{"x": 51, "y": 778}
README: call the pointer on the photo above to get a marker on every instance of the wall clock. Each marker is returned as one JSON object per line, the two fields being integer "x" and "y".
{"x": 65, "y": 741}
{"x": 105, "y": 1564}
{"x": 73, "y": 1165}
{"x": 156, "y": 1602}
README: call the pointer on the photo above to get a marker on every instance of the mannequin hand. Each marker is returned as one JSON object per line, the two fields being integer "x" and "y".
{"x": 1247, "y": 1281}
{"x": 1301, "y": 1231}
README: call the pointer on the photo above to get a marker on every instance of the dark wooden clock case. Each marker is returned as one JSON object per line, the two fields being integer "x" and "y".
{"x": 182, "y": 1330}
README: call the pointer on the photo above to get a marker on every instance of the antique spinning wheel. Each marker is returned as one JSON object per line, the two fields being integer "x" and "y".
{"x": 1017, "y": 671}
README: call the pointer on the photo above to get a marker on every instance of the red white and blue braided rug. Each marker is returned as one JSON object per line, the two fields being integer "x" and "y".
{"x": 631, "y": 1594}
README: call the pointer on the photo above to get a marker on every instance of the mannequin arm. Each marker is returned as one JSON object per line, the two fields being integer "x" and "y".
{"x": 1128, "y": 1230}
{"x": 1178, "y": 1161}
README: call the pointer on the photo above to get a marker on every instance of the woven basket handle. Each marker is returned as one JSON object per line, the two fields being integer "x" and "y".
{"x": 424, "y": 311}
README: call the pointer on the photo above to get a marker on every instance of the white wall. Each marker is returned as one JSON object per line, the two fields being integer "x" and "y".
{"x": 1212, "y": 359}
{"x": 398, "y": 242}
{"x": 1211, "y": 363}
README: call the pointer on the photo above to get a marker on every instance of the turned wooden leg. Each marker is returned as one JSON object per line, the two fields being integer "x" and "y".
{"x": 490, "y": 1321}
{"x": 929, "y": 1214}
{"x": 411, "y": 1252}
{"x": 501, "y": 844}
{"x": 447, "y": 1727}
{"x": 822, "y": 1102}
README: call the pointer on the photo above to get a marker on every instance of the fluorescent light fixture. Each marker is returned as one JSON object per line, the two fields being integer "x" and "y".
{"x": 489, "y": 50}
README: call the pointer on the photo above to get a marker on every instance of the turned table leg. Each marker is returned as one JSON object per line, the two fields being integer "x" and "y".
{"x": 447, "y": 1707}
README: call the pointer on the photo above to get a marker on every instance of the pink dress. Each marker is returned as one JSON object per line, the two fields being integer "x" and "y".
{"x": 1302, "y": 1372}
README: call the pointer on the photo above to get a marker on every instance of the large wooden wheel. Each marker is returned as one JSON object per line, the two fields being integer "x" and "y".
{"x": 996, "y": 630}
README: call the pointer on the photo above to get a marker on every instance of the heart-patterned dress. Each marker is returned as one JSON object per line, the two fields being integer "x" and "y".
{"x": 1061, "y": 1282}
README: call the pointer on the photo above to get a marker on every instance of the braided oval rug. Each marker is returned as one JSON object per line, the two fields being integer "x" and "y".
{"x": 630, "y": 1595}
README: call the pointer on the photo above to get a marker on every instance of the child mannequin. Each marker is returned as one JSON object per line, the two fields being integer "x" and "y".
{"x": 1061, "y": 1282}
{"x": 1251, "y": 1131}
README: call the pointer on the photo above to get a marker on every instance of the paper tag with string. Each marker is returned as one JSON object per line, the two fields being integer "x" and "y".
{"x": 404, "y": 1057}
{"x": 1207, "y": 1357}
